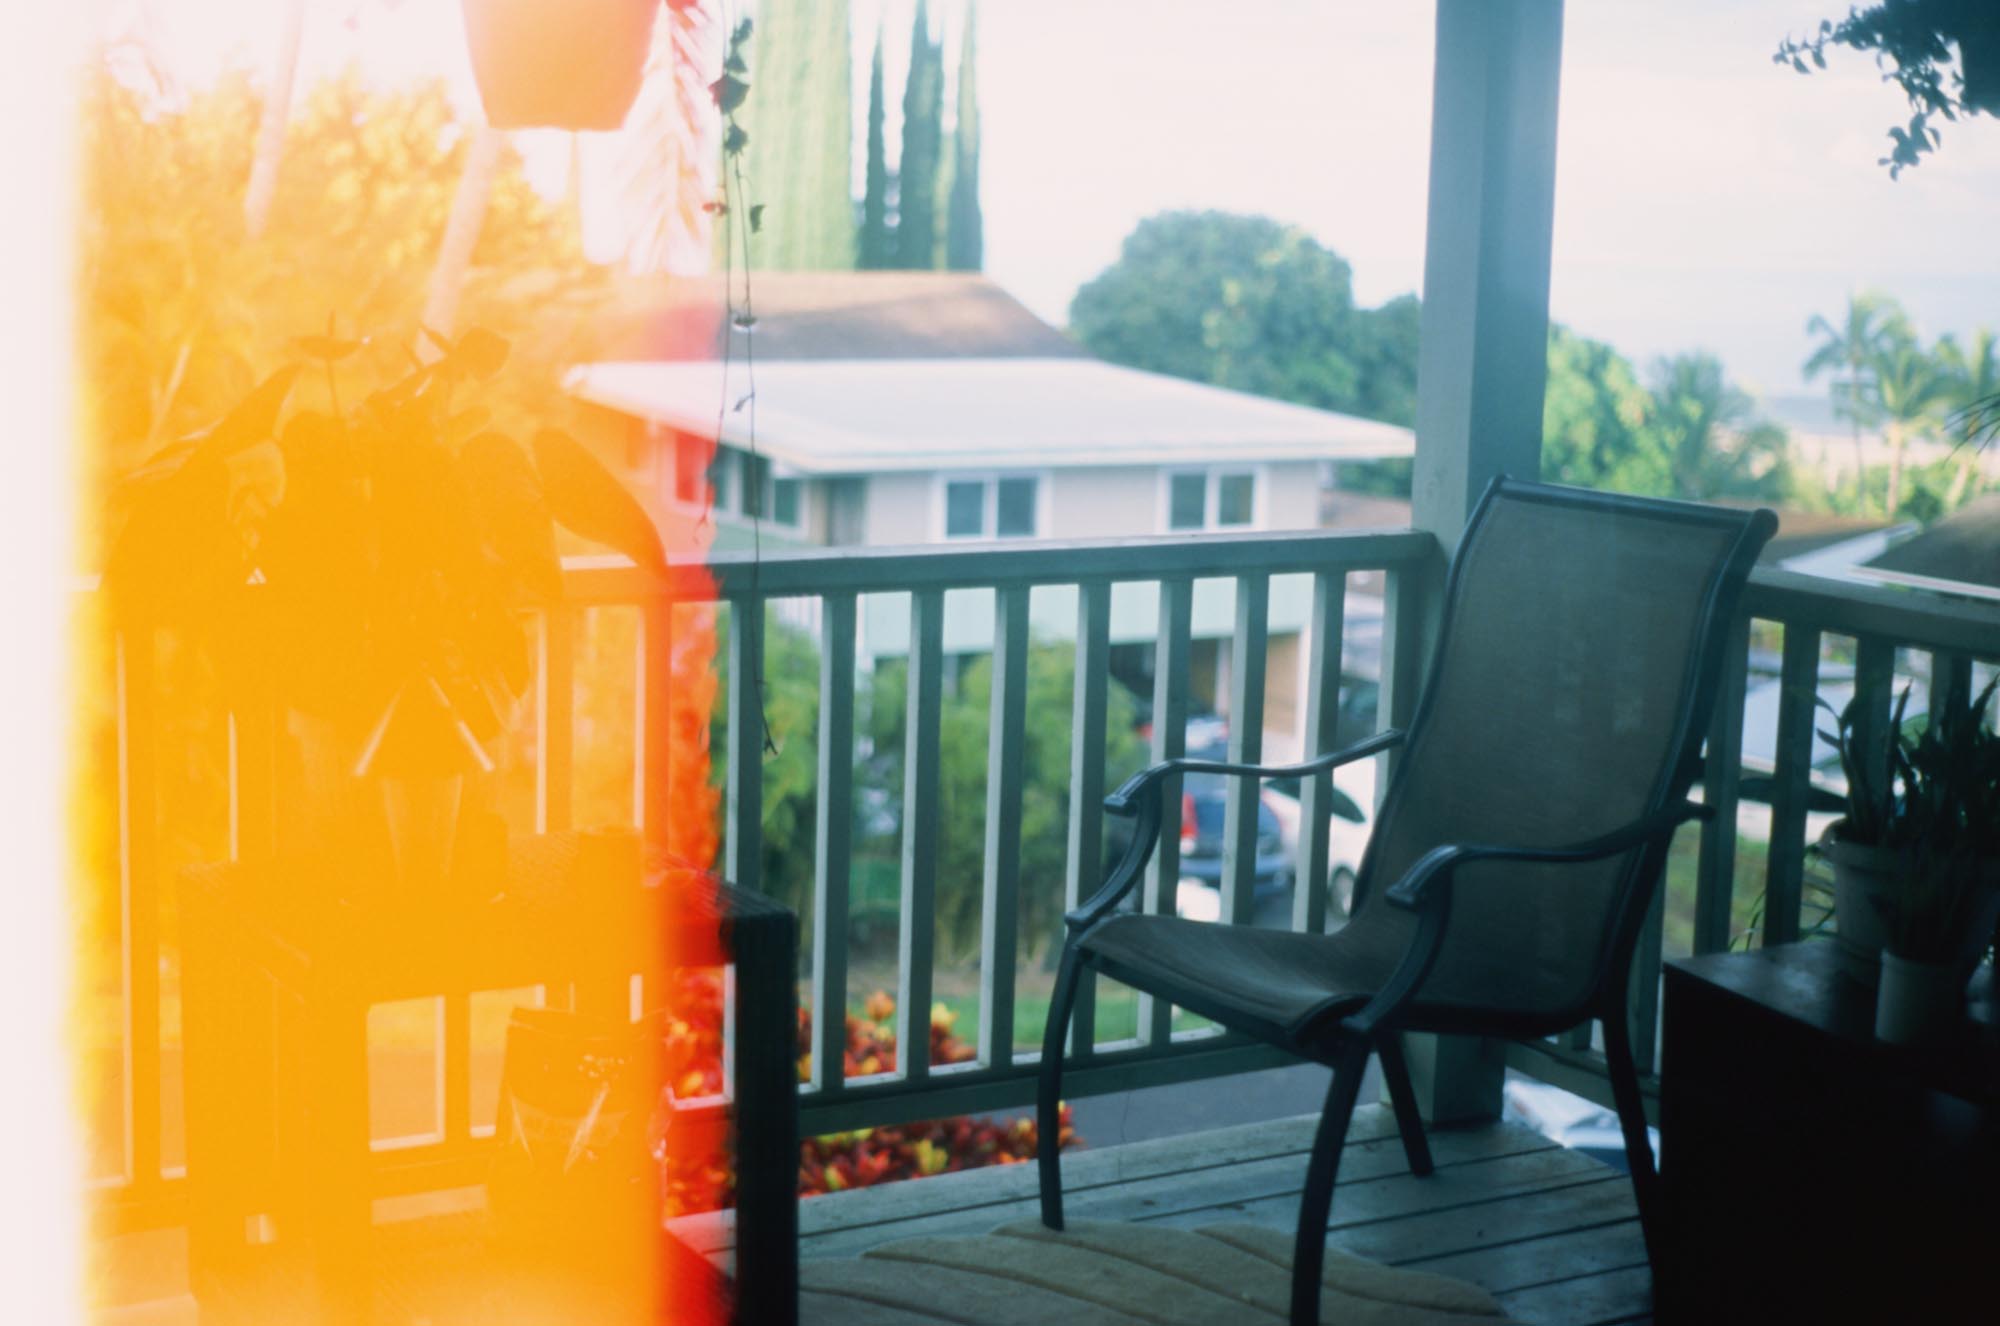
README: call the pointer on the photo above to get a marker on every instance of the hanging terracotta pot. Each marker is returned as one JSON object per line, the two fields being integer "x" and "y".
{"x": 559, "y": 64}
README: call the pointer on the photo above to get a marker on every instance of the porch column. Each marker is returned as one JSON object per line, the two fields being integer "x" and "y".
{"x": 1482, "y": 358}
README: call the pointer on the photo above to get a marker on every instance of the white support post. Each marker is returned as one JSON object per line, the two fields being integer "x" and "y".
{"x": 1482, "y": 356}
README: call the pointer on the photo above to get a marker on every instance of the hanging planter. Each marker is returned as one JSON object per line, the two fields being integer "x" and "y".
{"x": 559, "y": 64}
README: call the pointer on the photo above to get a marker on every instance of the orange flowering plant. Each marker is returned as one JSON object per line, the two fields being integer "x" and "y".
{"x": 836, "y": 1161}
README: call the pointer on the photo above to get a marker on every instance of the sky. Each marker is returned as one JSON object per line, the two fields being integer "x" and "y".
{"x": 1706, "y": 198}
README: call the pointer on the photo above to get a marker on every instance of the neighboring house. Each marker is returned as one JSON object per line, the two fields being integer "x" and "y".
{"x": 1958, "y": 555}
{"x": 911, "y": 408}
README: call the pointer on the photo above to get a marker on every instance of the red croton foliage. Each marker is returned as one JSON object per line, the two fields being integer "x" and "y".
{"x": 837, "y": 1161}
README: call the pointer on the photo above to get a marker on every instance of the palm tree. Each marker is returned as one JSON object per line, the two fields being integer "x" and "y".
{"x": 1971, "y": 396}
{"x": 1909, "y": 391}
{"x": 1707, "y": 433}
{"x": 1846, "y": 352}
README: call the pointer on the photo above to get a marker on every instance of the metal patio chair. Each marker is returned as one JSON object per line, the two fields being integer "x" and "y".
{"x": 1518, "y": 845}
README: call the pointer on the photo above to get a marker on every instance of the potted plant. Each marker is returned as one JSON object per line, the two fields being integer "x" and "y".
{"x": 560, "y": 64}
{"x": 366, "y": 571}
{"x": 1924, "y": 826}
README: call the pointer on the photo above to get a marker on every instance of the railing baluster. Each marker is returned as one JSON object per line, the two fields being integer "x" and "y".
{"x": 1784, "y": 875}
{"x": 1311, "y": 887}
{"x": 745, "y": 790}
{"x": 555, "y": 715}
{"x": 1000, "y": 902}
{"x": 1721, "y": 779}
{"x": 1246, "y": 746}
{"x": 916, "y": 943}
{"x": 1951, "y": 682}
{"x": 1089, "y": 706}
{"x": 1874, "y": 683}
{"x": 833, "y": 848}
{"x": 1170, "y": 704}
{"x": 455, "y": 1066}
{"x": 138, "y": 852}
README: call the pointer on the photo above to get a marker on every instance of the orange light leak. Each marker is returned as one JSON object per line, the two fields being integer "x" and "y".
{"x": 381, "y": 994}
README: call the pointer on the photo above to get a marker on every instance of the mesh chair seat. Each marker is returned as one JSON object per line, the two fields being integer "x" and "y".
{"x": 1286, "y": 987}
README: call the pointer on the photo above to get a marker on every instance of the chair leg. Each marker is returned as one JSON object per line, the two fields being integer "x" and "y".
{"x": 1625, "y": 1094}
{"x": 1309, "y": 1247}
{"x": 1396, "y": 1069}
{"x": 1048, "y": 1090}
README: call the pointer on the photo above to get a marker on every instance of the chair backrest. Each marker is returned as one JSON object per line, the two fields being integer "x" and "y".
{"x": 1575, "y": 672}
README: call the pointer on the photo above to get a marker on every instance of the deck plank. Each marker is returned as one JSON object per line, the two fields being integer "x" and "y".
{"x": 1216, "y": 1188}
{"x": 1593, "y": 1300}
{"x": 1509, "y": 1213}
{"x": 1550, "y": 1259}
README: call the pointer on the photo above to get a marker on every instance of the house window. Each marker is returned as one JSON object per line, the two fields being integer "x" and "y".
{"x": 1002, "y": 507}
{"x": 1211, "y": 499}
{"x": 1235, "y": 499}
{"x": 785, "y": 501}
{"x": 756, "y": 485}
{"x": 1014, "y": 509}
{"x": 964, "y": 509}
{"x": 1187, "y": 501}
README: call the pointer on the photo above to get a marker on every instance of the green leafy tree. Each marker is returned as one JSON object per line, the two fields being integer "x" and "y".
{"x": 875, "y": 247}
{"x": 1593, "y": 415}
{"x": 1385, "y": 360}
{"x": 181, "y": 312}
{"x": 790, "y": 715}
{"x": 964, "y": 732}
{"x": 965, "y": 241}
{"x": 917, "y": 171}
{"x": 1237, "y": 301}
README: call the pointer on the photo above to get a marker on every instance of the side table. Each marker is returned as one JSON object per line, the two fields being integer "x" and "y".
{"x": 278, "y": 982}
{"x": 1811, "y": 1172}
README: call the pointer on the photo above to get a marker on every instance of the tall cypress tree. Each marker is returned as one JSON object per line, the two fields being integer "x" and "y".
{"x": 923, "y": 115}
{"x": 875, "y": 246}
{"x": 800, "y": 125}
{"x": 965, "y": 241}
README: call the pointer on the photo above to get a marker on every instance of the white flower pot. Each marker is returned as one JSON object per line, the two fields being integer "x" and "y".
{"x": 1860, "y": 874}
{"x": 1917, "y": 1000}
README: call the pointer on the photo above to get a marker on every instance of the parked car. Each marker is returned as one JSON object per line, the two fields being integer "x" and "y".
{"x": 1204, "y": 799}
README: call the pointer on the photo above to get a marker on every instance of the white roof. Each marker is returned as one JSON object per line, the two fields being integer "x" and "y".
{"x": 864, "y": 416}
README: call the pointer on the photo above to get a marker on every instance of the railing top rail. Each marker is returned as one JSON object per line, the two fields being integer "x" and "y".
{"x": 1908, "y": 617}
{"x": 875, "y": 570}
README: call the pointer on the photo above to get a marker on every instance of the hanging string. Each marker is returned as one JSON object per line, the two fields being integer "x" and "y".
{"x": 739, "y": 222}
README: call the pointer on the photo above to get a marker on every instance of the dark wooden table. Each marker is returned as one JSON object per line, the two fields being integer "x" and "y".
{"x": 1812, "y": 1172}
{"x": 280, "y": 974}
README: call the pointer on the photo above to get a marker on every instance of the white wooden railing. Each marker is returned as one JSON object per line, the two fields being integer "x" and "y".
{"x": 1078, "y": 581}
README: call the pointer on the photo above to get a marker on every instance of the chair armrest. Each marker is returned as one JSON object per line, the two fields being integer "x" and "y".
{"x": 1140, "y": 799}
{"x": 1426, "y": 890}
{"x": 1408, "y": 892}
{"x": 1122, "y": 801}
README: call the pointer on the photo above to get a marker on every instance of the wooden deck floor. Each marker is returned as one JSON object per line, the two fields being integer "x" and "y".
{"x": 1552, "y": 1233}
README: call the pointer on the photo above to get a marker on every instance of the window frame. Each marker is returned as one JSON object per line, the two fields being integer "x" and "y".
{"x": 989, "y": 505}
{"x": 1212, "y": 476}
